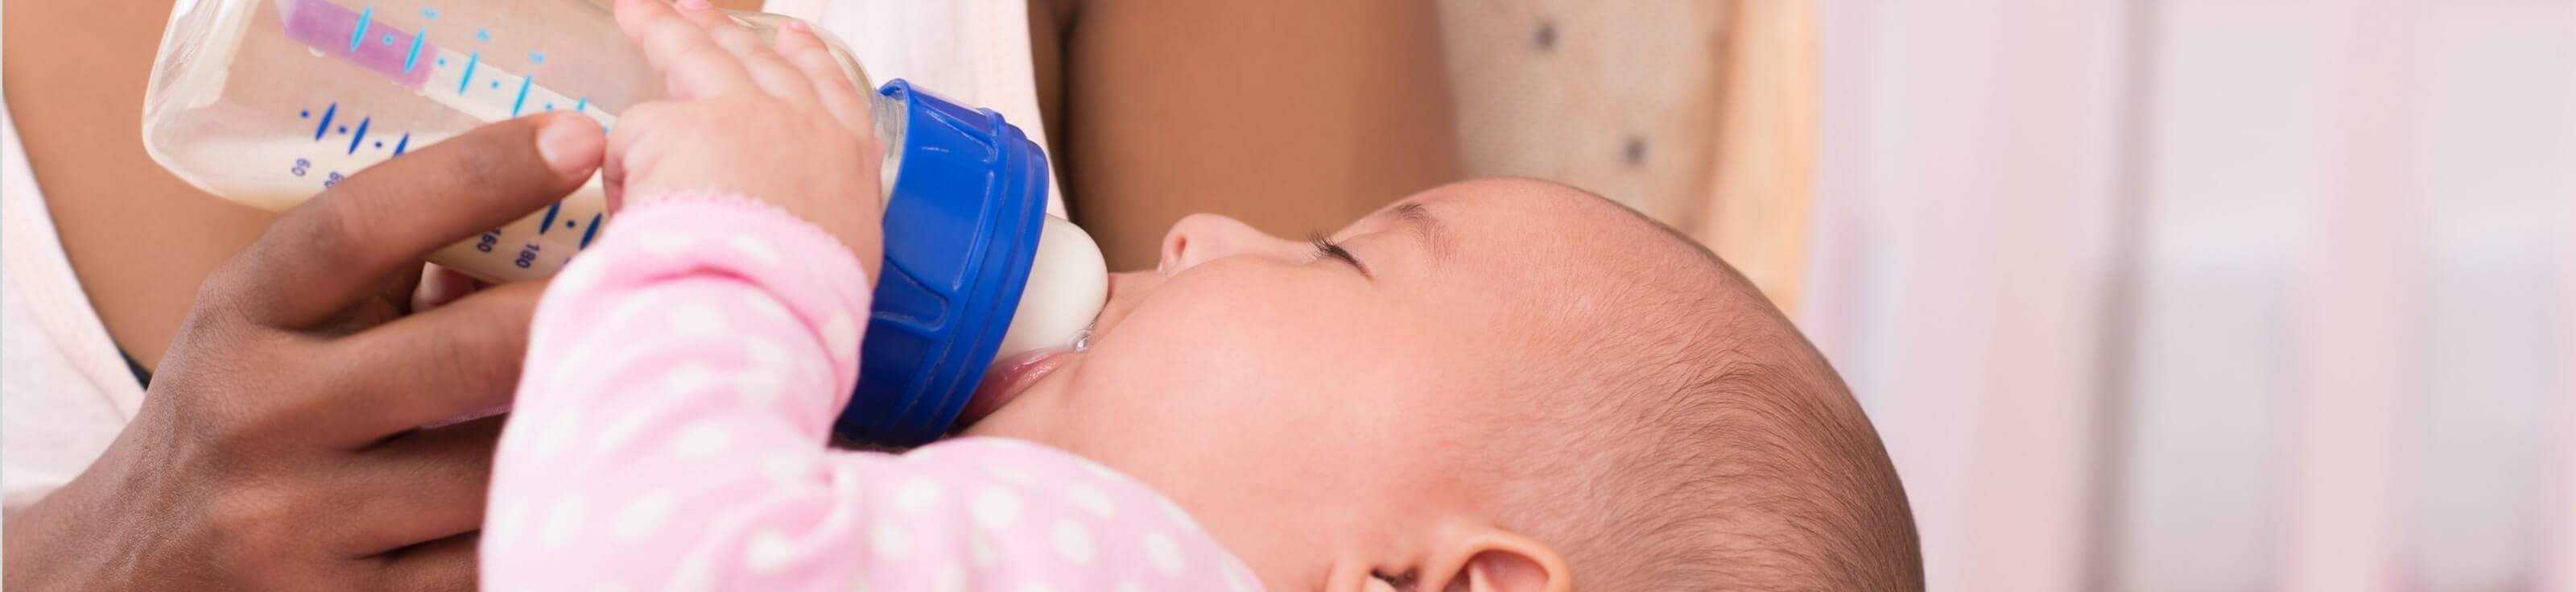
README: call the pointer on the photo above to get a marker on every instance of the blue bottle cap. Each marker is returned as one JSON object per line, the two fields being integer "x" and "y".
{"x": 961, "y": 229}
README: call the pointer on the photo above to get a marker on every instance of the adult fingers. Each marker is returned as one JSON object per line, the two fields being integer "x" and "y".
{"x": 438, "y": 286}
{"x": 840, "y": 96}
{"x": 422, "y": 486}
{"x": 341, "y": 246}
{"x": 681, "y": 49}
{"x": 442, "y": 565}
{"x": 432, "y": 366}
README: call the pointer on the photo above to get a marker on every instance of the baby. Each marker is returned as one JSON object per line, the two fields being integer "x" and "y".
{"x": 1494, "y": 385}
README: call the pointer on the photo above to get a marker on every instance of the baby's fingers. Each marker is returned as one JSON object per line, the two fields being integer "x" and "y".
{"x": 765, "y": 67}
{"x": 840, "y": 95}
{"x": 682, "y": 50}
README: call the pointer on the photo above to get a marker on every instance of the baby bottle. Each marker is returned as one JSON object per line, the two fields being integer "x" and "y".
{"x": 268, "y": 102}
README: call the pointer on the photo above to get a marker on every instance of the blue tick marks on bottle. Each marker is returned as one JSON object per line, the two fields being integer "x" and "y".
{"x": 482, "y": 34}
{"x": 592, "y": 232}
{"x": 380, "y": 144}
{"x": 550, "y": 106}
{"x": 325, "y": 126}
{"x": 413, "y": 56}
{"x": 521, "y": 103}
{"x": 344, "y": 129}
{"x": 360, "y": 36}
{"x": 537, "y": 57}
{"x": 569, "y": 224}
{"x": 549, "y": 222}
{"x": 362, "y": 134}
{"x": 429, "y": 13}
{"x": 465, "y": 82}
{"x": 305, "y": 114}
{"x": 442, "y": 61}
{"x": 496, "y": 84}
{"x": 389, "y": 39}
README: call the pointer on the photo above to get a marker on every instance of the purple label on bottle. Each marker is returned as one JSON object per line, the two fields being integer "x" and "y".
{"x": 354, "y": 35}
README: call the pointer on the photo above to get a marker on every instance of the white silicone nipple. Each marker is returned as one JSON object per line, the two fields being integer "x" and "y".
{"x": 1067, "y": 285}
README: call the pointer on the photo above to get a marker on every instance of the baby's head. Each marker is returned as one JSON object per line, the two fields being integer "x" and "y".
{"x": 1494, "y": 385}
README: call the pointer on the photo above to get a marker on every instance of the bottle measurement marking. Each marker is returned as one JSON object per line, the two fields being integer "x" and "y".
{"x": 359, "y": 37}
{"x": 333, "y": 30}
{"x": 414, "y": 56}
{"x": 593, "y": 230}
{"x": 468, "y": 81}
{"x": 549, "y": 222}
{"x": 326, "y": 122}
{"x": 522, "y": 103}
{"x": 362, "y": 135}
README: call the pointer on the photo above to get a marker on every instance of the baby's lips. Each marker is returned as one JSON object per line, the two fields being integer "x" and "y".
{"x": 1007, "y": 380}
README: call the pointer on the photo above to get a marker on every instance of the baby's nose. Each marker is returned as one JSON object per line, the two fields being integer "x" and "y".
{"x": 1201, "y": 238}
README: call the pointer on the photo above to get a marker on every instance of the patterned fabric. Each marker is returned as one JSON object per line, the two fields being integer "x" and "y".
{"x": 670, "y": 433}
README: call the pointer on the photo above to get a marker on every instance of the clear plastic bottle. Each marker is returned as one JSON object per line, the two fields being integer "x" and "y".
{"x": 268, "y": 102}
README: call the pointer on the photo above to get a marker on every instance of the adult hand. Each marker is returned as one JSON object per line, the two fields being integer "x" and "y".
{"x": 280, "y": 446}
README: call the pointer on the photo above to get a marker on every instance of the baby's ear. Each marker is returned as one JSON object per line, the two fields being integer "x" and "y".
{"x": 1494, "y": 560}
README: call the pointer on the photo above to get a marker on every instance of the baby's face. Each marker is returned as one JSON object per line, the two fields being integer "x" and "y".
{"x": 1309, "y": 409}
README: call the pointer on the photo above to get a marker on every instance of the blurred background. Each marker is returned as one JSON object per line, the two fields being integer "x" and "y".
{"x": 2144, "y": 295}
{"x": 2189, "y": 295}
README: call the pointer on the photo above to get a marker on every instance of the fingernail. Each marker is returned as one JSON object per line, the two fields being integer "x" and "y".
{"x": 568, "y": 145}
{"x": 696, "y": 4}
{"x": 796, "y": 25}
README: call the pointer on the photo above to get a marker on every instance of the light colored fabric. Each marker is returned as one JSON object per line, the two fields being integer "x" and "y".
{"x": 671, "y": 426}
{"x": 64, "y": 389}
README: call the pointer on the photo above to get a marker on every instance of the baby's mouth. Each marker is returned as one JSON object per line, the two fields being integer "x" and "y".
{"x": 1013, "y": 376}
{"x": 1010, "y": 377}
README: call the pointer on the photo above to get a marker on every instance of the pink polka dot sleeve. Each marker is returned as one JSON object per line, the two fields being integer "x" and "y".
{"x": 670, "y": 430}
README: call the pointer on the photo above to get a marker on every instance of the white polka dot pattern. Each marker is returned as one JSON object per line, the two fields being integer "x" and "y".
{"x": 841, "y": 334}
{"x": 754, "y": 248}
{"x": 997, "y": 508}
{"x": 562, "y": 521}
{"x": 1074, "y": 542}
{"x": 583, "y": 274}
{"x": 1092, "y": 500}
{"x": 643, "y": 516}
{"x": 678, "y": 442}
{"x": 768, "y": 553}
{"x": 697, "y": 319}
{"x": 665, "y": 243}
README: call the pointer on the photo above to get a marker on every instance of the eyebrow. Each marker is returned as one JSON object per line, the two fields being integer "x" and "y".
{"x": 1425, "y": 227}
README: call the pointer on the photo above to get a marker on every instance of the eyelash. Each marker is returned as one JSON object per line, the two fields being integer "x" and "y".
{"x": 1324, "y": 247}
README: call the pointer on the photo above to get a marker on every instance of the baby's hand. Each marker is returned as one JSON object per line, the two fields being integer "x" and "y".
{"x": 779, "y": 124}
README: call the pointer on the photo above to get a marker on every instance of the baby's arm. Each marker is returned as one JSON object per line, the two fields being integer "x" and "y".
{"x": 670, "y": 431}
{"x": 684, "y": 372}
